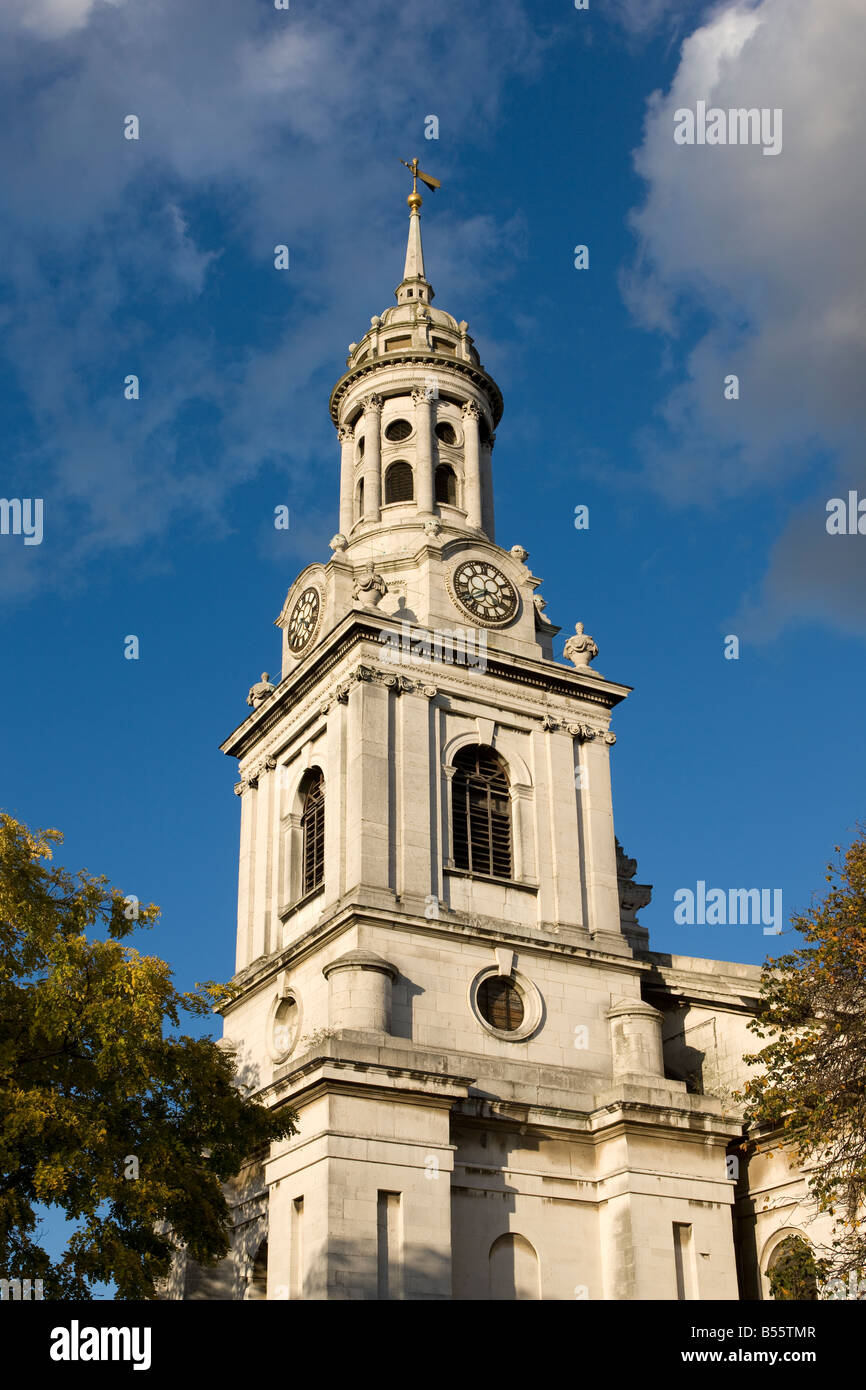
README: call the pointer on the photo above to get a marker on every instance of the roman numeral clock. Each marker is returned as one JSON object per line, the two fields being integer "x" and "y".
{"x": 483, "y": 592}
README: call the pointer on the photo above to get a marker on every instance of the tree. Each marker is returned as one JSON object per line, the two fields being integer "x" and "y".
{"x": 793, "y": 1274}
{"x": 106, "y": 1110}
{"x": 812, "y": 1088}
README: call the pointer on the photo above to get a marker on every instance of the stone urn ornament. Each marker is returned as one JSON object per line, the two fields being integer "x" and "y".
{"x": 369, "y": 586}
{"x": 581, "y": 649}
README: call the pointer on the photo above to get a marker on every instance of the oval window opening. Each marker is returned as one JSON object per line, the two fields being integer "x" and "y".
{"x": 500, "y": 1003}
{"x": 398, "y": 430}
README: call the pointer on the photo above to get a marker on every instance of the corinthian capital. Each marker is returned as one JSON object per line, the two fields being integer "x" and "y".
{"x": 345, "y": 433}
{"x": 371, "y": 403}
{"x": 470, "y": 411}
{"x": 420, "y": 395}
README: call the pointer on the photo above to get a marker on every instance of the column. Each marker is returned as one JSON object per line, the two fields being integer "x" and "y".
{"x": 346, "y": 437}
{"x": 471, "y": 465}
{"x": 368, "y": 786}
{"x": 246, "y": 868}
{"x": 487, "y": 520}
{"x": 564, "y": 839}
{"x": 596, "y": 805}
{"x": 372, "y": 457}
{"x": 423, "y": 451}
{"x": 416, "y": 794}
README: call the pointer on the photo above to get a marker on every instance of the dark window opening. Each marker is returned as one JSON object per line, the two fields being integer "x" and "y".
{"x": 313, "y": 833}
{"x": 481, "y": 817}
{"x": 500, "y": 1003}
{"x": 398, "y": 430}
{"x": 399, "y": 486}
{"x": 446, "y": 485}
{"x": 446, "y": 432}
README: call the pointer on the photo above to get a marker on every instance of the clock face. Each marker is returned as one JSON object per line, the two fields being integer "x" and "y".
{"x": 484, "y": 592}
{"x": 304, "y": 620}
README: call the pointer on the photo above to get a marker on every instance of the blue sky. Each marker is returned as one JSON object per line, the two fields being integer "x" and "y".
{"x": 707, "y": 517}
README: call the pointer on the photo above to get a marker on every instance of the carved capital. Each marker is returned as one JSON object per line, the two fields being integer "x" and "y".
{"x": 372, "y": 404}
{"x": 420, "y": 396}
{"x": 470, "y": 411}
{"x": 345, "y": 434}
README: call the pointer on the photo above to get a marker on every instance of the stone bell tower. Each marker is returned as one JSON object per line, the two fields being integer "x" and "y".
{"x": 437, "y": 948}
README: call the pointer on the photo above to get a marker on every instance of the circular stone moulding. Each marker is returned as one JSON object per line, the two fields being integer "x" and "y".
{"x": 284, "y": 1026}
{"x": 530, "y": 999}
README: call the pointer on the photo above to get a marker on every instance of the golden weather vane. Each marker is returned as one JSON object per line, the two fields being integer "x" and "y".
{"x": 417, "y": 174}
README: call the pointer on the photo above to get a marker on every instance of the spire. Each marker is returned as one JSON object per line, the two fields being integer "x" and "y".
{"x": 414, "y": 269}
{"x": 415, "y": 284}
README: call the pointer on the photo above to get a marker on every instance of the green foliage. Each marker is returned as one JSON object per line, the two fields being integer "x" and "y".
{"x": 813, "y": 1084}
{"x": 92, "y": 1070}
{"x": 794, "y": 1274}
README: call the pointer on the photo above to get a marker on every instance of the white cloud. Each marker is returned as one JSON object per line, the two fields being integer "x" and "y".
{"x": 765, "y": 255}
{"x": 257, "y": 128}
{"x": 52, "y": 19}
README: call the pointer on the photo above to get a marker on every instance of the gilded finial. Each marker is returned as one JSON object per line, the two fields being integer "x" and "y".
{"x": 414, "y": 200}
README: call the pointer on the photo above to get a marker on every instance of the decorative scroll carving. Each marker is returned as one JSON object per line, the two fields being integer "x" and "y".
{"x": 372, "y": 404}
{"x": 632, "y": 897}
{"x": 345, "y": 433}
{"x": 584, "y": 732}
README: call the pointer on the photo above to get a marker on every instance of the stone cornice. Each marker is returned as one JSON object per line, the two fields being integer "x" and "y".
{"x": 347, "y": 916}
{"x": 545, "y": 678}
{"x": 419, "y": 357}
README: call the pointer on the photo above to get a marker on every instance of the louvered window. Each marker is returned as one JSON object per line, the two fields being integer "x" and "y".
{"x": 446, "y": 485}
{"x": 481, "y": 813}
{"x": 398, "y": 483}
{"x": 313, "y": 831}
{"x": 501, "y": 1003}
{"x": 397, "y": 430}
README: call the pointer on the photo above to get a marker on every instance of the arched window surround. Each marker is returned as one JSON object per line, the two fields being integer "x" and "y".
{"x": 292, "y": 892}
{"x": 482, "y": 833}
{"x": 521, "y": 792}
{"x": 399, "y": 483}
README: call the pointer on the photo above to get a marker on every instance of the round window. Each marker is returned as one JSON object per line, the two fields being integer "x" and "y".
{"x": 500, "y": 1003}
{"x": 397, "y": 430}
{"x": 446, "y": 432}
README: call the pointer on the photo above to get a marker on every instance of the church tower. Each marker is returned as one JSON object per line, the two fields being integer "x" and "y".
{"x": 439, "y": 965}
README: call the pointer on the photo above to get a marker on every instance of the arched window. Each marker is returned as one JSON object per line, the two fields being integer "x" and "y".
{"x": 446, "y": 485}
{"x": 513, "y": 1267}
{"x": 481, "y": 813}
{"x": 399, "y": 486}
{"x": 257, "y": 1288}
{"x": 313, "y": 832}
{"x": 360, "y": 496}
